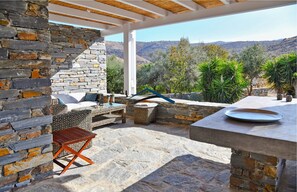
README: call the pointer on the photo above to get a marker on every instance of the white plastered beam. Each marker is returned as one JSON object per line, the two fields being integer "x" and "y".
{"x": 70, "y": 21}
{"x": 107, "y": 9}
{"x": 230, "y": 9}
{"x": 146, "y": 7}
{"x": 226, "y": 2}
{"x": 188, "y": 4}
{"x": 84, "y": 14}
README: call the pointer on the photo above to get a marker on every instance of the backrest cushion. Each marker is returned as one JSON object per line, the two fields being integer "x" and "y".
{"x": 65, "y": 99}
{"x": 91, "y": 97}
{"x": 80, "y": 96}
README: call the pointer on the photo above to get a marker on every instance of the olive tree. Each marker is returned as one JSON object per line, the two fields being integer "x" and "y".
{"x": 252, "y": 59}
{"x": 115, "y": 75}
{"x": 181, "y": 68}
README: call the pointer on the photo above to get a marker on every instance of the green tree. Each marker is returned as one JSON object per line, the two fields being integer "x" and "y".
{"x": 152, "y": 75}
{"x": 181, "y": 68}
{"x": 115, "y": 75}
{"x": 281, "y": 73}
{"x": 252, "y": 59}
{"x": 215, "y": 51}
{"x": 221, "y": 81}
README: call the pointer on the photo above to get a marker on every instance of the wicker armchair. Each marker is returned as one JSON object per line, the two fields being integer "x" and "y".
{"x": 63, "y": 119}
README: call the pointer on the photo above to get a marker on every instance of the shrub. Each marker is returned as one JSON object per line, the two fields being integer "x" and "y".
{"x": 221, "y": 81}
{"x": 281, "y": 73}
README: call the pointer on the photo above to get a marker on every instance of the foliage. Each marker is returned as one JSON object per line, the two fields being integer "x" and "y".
{"x": 115, "y": 75}
{"x": 215, "y": 51}
{"x": 281, "y": 73}
{"x": 174, "y": 71}
{"x": 221, "y": 81}
{"x": 151, "y": 75}
{"x": 252, "y": 59}
{"x": 181, "y": 68}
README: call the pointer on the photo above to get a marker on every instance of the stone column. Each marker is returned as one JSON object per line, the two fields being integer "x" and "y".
{"x": 25, "y": 118}
{"x": 255, "y": 172}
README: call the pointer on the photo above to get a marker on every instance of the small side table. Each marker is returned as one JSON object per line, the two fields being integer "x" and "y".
{"x": 68, "y": 136}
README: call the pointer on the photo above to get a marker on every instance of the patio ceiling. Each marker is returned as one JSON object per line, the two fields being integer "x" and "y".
{"x": 127, "y": 16}
{"x": 115, "y": 16}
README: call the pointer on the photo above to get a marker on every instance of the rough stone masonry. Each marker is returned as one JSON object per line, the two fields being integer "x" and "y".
{"x": 78, "y": 60}
{"x": 25, "y": 118}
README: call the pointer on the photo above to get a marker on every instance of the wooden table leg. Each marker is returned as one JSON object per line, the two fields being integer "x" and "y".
{"x": 58, "y": 152}
{"x": 124, "y": 116}
{"x": 77, "y": 155}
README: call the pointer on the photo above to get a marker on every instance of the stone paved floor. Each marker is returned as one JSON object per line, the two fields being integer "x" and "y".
{"x": 138, "y": 158}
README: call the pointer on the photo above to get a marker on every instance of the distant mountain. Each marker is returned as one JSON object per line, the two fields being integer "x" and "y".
{"x": 146, "y": 49}
{"x": 284, "y": 46}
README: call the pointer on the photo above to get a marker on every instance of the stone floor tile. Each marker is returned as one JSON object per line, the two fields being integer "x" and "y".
{"x": 150, "y": 158}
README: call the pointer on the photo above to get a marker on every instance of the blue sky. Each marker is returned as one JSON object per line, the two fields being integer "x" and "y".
{"x": 267, "y": 24}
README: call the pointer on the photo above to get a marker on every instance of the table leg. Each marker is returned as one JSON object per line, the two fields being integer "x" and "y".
{"x": 76, "y": 155}
{"x": 255, "y": 172}
{"x": 124, "y": 116}
{"x": 58, "y": 152}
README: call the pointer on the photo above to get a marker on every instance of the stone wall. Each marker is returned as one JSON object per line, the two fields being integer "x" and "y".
{"x": 255, "y": 172}
{"x": 78, "y": 60}
{"x": 183, "y": 112}
{"x": 259, "y": 92}
{"x": 25, "y": 131}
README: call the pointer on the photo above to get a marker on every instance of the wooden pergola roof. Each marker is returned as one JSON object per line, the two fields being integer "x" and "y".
{"x": 115, "y": 16}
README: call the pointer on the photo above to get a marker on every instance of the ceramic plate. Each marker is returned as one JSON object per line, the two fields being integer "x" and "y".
{"x": 253, "y": 115}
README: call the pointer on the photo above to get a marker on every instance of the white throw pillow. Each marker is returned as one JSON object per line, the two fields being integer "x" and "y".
{"x": 80, "y": 96}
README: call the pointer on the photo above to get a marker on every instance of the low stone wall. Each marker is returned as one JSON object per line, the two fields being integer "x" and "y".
{"x": 197, "y": 96}
{"x": 194, "y": 96}
{"x": 183, "y": 112}
{"x": 25, "y": 130}
{"x": 78, "y": 60}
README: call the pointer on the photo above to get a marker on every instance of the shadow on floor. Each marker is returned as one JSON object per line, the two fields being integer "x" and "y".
{"x": 75, "y": 165}
{"x": 178, "y": 130}
{"x": 186, "y": 173}
{"x": 55, "y": 185}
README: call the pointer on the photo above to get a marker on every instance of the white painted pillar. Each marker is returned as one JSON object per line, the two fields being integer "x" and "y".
{"x": 129, "y": 61}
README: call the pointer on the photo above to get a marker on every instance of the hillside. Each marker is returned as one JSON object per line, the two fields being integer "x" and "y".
{"x": 284, "y": 46}
{"x": 145, "y": 49}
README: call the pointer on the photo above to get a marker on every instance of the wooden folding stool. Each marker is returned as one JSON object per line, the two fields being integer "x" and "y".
{"x": 64, "y": 138}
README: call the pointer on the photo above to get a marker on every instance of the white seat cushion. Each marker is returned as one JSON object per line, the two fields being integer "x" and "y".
{"x": 84, "y": 104}
{"x": 87, "y": 103}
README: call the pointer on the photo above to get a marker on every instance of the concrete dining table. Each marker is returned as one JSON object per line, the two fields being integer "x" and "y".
{"x": 259, "y": 149}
